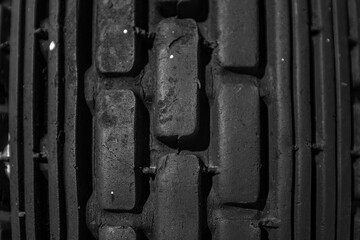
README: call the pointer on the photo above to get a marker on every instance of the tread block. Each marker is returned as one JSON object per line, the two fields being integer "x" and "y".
{"x": 232, "y": 229}
{"x": 116, "y": 41}
{"x": 235, "y": 223}
{"x": 177, "y": 203}
{"x": 176, "y": 100}
{"x": 115, "y": 233}
{"x": 118, "y": 150}
{"x": 238, "y": 26}
{"x": 238, "y": 144}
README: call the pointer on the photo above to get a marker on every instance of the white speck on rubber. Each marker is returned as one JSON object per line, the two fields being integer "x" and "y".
{"x": 52, "y": 46}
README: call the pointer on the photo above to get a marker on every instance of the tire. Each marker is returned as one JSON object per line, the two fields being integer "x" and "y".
{"x": 180, "y": 119}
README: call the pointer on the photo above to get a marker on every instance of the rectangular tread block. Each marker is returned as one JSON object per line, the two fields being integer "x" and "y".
{"x": 177, "y": 203}
{"x": 238, "y": 144}
{"x": 234, "y": 229}
{"x": 176, "y": 100}
{"x": 238, "y": 26}
{"x": 117, "y": 149}
{"x": 116, "y": 39}
{"x": 115, "y": 233}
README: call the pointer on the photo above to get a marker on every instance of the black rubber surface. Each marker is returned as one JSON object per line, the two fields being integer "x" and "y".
{"x": 180, "y": 119}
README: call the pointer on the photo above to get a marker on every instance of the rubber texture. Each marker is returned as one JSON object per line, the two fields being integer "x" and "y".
{"x": 180, "y": 119}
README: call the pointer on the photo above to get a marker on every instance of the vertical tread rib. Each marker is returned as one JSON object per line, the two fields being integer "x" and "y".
{"x": 77, "y": 146}
{"x": 343, "y": 119}
{"x": 277, "y": 95}
{"x": 302, "y": 120}
{"x": 71, "y": 156}
{"x": 15, "y": 114}
{"x": 325, "y": 117}
{"x": 29, "y": 118}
